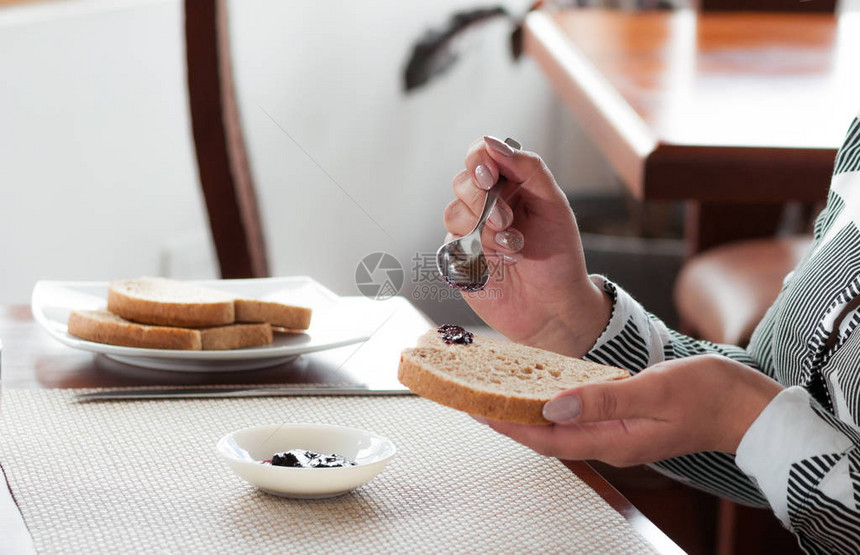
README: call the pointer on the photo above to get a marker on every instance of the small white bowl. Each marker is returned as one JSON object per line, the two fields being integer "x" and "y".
{"x": 244, "y": 450}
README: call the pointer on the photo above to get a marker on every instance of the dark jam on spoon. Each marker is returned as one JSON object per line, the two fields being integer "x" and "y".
{"x": 469, "y": 287}
{"x": 299, "y": 458}
{"x": 455, "y": 334}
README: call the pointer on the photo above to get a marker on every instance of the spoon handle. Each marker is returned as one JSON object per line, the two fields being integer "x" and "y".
{"x": 489, "y": 203}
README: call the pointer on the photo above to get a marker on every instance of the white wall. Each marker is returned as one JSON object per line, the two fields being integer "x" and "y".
{"x": 96, "y": 173}
{"x": 349, "y": 165}
{"x": 96, "y": 163}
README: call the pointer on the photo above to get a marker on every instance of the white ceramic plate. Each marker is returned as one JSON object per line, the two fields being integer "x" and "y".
{"x": 331, "y": 325}
{"x": 244, "y": 451}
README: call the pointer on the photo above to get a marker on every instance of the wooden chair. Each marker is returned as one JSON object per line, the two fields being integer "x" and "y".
{"x": 723, "y": 293}
{"x": 222, "y": 163}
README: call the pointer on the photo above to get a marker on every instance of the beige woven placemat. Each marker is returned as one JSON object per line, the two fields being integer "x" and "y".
{"x": 143, "y": 477}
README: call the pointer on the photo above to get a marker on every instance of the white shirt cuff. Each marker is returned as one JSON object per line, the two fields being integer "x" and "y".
{"x": 786, "y": 432}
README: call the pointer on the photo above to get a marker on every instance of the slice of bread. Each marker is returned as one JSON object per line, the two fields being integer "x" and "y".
{"x": 167, "y": 302}
{"x": 236, "y": 336}
{"x": 495, "y": 379}
{"x": 277, "y": 314}
{"x": 102, "y": 326}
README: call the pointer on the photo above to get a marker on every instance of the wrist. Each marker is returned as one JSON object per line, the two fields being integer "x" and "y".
{"x": 753, "y": 392}
{"x": 594, "y": 317}
{"x": 584, "y": 320}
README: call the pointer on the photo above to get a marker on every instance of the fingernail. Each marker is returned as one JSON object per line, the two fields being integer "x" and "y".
{"x": 499, "y": 146}
{"x": 513, "y": 143}
{"x": 496, "y": 217}
{"x": 511, "y": 258}
{"x": 510, "y": 239}
{"x": 483, "y": 177}
{"x": 563, "y": 409}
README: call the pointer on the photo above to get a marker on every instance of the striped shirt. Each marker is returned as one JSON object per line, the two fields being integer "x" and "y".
{"x": 801, "y": 456}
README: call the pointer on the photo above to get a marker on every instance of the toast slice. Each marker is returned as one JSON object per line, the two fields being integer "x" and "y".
{"x": 236, "y": 336}
{"x": 168, "y": 302}
{"x": 495, "y": 379}
{"x": 102, "y": 326}
{"x": 295, "y": 318}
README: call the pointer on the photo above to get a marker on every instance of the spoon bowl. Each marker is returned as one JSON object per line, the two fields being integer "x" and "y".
{"x": 462, "y": 261}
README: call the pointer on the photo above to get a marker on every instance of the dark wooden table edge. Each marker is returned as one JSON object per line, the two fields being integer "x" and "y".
{"x": 647, "y": 529}
{"x": 738, "y": 174}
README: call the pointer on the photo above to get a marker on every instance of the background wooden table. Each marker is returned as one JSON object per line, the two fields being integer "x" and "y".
{"x": 32, "y": 359}
{"x": 741, "y": 108}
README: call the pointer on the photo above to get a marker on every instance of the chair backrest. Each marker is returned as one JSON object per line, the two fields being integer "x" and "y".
{"x": 225, "y": 175}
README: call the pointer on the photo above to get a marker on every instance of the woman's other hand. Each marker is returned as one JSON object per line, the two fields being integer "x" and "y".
{"x": 676, "y": 407}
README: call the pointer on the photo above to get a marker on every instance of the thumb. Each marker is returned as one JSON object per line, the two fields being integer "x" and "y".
{"x": 524, "y": 168}
{"x": 628, "y": 398}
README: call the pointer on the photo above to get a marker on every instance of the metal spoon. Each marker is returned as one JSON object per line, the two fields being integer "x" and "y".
{"x": 462, "y": 261}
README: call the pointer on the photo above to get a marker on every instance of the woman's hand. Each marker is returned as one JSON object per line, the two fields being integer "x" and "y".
{"x": 540, "y": 295}
{"x": 677, "y": 407}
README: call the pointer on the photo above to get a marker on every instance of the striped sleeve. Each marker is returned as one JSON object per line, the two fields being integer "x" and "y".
{"x": 797, "y": 458}
{"x": 807, "y": 463}
{"x": 635, "y": 339}
{"x": 848, "y": 157}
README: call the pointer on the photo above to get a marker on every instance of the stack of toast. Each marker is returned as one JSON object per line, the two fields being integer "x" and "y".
{"x": 160, "y": 313}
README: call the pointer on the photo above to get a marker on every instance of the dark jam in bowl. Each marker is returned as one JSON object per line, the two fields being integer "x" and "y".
{"x": 300, "y": 458}
{"x": 455, "y": 334}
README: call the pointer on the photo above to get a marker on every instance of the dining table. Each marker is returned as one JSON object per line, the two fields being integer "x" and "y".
{"x": 728, "y": 112}
{"x": 39, "y": 376}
